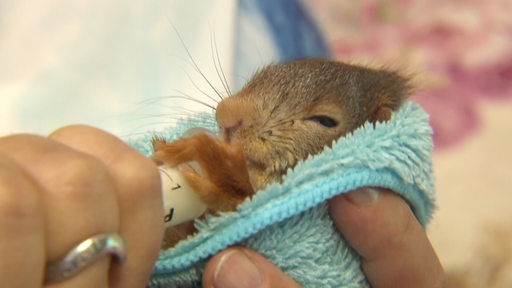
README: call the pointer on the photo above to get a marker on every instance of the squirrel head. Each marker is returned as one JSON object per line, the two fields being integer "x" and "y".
{"x": 288, "y": 111}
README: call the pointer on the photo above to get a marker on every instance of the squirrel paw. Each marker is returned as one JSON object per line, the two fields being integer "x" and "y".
{"x": 226, "y": 179}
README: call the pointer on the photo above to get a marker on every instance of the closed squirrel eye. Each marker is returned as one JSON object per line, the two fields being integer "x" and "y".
{"x": 324, "y": 121}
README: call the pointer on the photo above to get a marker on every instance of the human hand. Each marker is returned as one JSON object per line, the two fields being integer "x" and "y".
{"x": 78, "y": 182}
{"x": 394, "y": 249}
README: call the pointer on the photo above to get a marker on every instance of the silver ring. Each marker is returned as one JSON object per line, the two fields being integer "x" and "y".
{"x": 85, "y": 253}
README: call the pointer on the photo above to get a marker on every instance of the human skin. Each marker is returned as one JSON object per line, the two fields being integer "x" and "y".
{"x": 56, "y": 191}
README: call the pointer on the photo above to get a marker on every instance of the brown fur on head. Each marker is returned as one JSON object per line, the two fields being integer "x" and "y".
{"x": 291, "y": 110}
{"x": 285, "y": 113}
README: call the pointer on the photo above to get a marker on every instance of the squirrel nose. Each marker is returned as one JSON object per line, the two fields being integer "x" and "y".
{"x": 231, "y": 116}
{"x": 227, "y": 132}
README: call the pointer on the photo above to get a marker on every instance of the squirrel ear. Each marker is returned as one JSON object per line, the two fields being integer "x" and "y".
{"x": 385, "y": 91}
{"x": 382, "y": 114}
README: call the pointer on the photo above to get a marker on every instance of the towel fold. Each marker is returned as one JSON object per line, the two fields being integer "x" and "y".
{"x": 289, "y": 224}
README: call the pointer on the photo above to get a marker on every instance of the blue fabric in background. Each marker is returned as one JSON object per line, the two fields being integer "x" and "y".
{"x": 274, "y": 31}
{"x": 292, "y": 30}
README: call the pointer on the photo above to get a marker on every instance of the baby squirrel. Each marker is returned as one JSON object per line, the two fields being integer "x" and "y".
{"x": 285, "y": 113}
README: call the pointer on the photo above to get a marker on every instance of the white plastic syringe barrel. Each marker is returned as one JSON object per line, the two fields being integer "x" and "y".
{"x": 181, "y": 202}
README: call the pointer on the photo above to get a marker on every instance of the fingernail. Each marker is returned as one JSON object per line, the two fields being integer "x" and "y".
{"x": 366, "y": 196}
{"x": 235, "y": 269}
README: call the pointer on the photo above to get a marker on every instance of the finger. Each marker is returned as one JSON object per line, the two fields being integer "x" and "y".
{"x": 76, "y": 195}
{"x": 137, "y": 181}
{"x": 394, "y": 249}
{"x": 21, "y": 222}
{"x": 242, "y": 267}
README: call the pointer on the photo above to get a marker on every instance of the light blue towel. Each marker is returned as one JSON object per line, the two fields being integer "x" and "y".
{"x": 289, "y": 223}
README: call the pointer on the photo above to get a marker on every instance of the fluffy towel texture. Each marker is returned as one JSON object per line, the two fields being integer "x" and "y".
{"x": 289, "y": 223}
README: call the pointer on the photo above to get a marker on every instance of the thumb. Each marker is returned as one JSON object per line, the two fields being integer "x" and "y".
{"x": 243, "y": 268}
{"x": 394, "y": 249}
